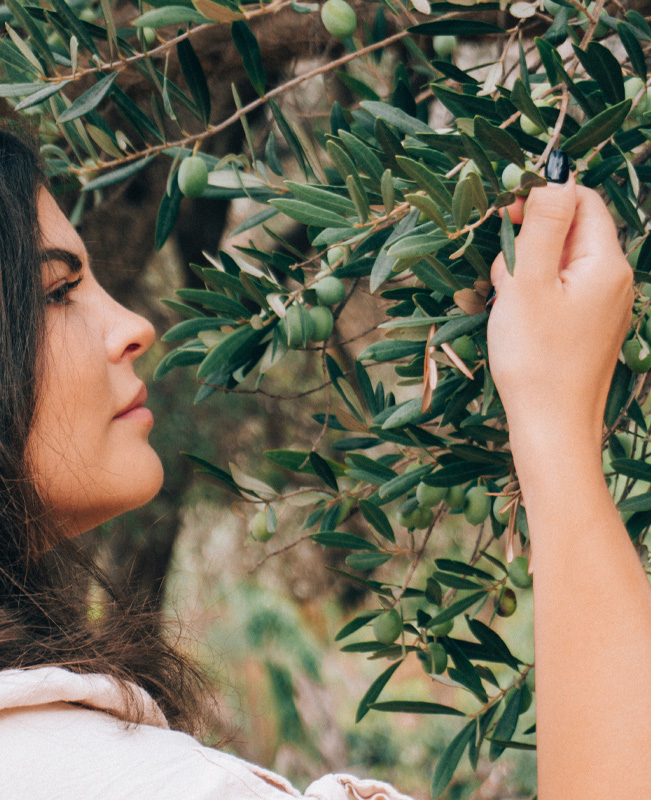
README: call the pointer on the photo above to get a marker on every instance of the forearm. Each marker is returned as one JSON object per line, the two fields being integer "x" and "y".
{"x": 592, "y": 627}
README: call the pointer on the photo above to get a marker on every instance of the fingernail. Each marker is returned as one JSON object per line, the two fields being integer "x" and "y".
{"x": 490, "y": 299}
{"x": 557, "y": 169}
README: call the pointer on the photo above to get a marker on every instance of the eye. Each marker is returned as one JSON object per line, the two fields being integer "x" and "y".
{"x": 59, "y": 295}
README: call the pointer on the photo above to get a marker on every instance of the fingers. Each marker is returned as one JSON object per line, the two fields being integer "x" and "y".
{"x": 516, "y": 210}
{"x": 550, "y": 213}
{"x": 593, "y": 231}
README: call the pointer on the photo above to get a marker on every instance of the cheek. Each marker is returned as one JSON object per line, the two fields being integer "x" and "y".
{"x": 66, "y": 436}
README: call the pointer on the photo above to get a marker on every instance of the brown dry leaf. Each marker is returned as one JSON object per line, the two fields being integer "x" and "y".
{"x": 510, "y": 531}
{"x": 216, "y": 12}
{"x": 470, "y": 301}
{"x": 458, "y": 363}
{"x": 483, "y": 287}
{"x": 350, "y": 422}
{"x": 430, "y": 373}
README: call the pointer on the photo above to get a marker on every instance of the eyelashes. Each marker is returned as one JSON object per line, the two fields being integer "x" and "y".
{"x": 59, "y": 296}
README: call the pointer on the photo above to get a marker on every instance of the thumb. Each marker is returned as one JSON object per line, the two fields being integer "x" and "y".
{"x": 547, "y": 221}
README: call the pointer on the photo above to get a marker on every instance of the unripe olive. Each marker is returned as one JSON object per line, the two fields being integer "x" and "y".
{"x": 467, "y": 168}
{"x": 387, "y": 626}
{"x": 498, "y": 504}
{"x": 439, "y": 657}
{"x": 529, "y": 126}
{"x": 511, "y": 176}
{"x": 456, "y": 497}
{"x": 430, "y": 495}
{"x": 477, "y": 505}
{"x": 425, "y": 658}
{"x": 465, "y": 348}
{"x": 334, "y": 254}
{"x": 259, "y": 530}
{"x": 530, "y": 680}
{"x": 518, "y": 573}
{"x": 539, "y": 89}
{"x": 444, "y": 45}
{"x": 507, "y": 603}
{"x": 329, "y": 290}
{"x": 322, "y": 322}
{"x": 292, "y": 326}
{"x": 339, "y": 18}
{"x": 637, "y": 358}
{"x": 415, "y": 517}
{"x": 443, "y": 629}
{"x": 602, "y": 29}
{"x": 525, "y": 697}
{"x": 87, "y": 15}
{"x": 149, "y": 35}
{"x": 193, "y": 176}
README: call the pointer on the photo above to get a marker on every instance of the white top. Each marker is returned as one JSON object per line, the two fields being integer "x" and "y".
{"x": 63, "y": 737}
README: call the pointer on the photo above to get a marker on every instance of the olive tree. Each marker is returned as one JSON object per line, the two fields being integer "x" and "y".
{"x": 388, "y": 201}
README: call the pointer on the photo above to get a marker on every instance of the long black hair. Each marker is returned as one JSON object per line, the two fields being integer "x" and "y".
{"x": 46, "y": 578}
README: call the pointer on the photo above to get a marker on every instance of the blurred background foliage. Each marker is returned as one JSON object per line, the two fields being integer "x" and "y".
{"x": 292, "y": 179}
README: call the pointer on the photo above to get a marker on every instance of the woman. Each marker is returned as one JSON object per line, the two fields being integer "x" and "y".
{"x": 74, "y": 452}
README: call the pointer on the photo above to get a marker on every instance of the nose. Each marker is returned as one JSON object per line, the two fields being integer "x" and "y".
{"x": 128, "y": 335}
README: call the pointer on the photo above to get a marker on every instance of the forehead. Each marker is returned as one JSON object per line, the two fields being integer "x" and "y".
{"x": 56, "y": 230}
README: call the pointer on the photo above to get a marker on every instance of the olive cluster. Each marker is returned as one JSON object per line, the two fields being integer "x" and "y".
{"x": 314, "y": 323}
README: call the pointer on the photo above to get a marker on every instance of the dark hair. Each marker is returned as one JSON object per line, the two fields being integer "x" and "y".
{"x": 45, "y": 579}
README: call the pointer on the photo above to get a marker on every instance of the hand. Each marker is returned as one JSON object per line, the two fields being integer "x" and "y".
{"x": 558, "y": 323}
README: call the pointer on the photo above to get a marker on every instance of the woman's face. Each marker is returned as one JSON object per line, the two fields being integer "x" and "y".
{"x": 89, "y": 449}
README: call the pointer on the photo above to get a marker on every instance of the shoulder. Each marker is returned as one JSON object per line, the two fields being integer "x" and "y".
{"x": 64, "y": 748}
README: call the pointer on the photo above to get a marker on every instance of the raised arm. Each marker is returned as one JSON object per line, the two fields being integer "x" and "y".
{"x": 553, "y": 337}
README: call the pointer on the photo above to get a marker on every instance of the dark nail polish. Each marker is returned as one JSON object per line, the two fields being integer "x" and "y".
{"x": 557, "y": 169}
{"x": 490, "y": 299}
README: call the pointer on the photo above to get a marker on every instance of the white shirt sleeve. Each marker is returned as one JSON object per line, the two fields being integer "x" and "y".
{"x": 61, "y": 751}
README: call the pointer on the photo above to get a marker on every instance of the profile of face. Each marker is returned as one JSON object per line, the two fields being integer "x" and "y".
{"x": 88, "y": 449}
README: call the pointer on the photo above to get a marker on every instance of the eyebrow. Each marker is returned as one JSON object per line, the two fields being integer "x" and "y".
{"x": 67, "y": 257}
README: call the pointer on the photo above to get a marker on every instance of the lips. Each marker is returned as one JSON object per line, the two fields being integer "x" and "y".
{"x": 137, "y": 401}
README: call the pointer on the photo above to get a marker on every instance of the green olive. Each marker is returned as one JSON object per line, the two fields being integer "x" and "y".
{"x": 439, "y": 657}
{"x": 465, "y": 348}
{"x": 498, "y": 504}
{"x": 193, "y": 176}
{"x": 511, "y": 176}
{"x": 335, "y": 254}
{"x": 507, "y": 603}
{"x": 442, "y": 629}
{"x": 444, "y": 45}
{"x": 477, "y": 505}
{"x": 149, "y": 35}
{"x": 322, "y": 322}
{"x": 339, "y": 18}
{"x": 430, "y": 495}
{"x": 387, "y": 626}
{"x": 425, "y": 658}
{"x": 602, "y": 29}
{"x": 530, "y": 680}
{"x": 329, "y": 290}
{"x": 292, "y": 325}
{"x": 467, "y": 168}
{"x": 259, "y": 529}
{"x": 529, "y": 126}
{"x": 518, "y": 573}
{"x": 637, "y": 358}
{"x": 456, "y": 497}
